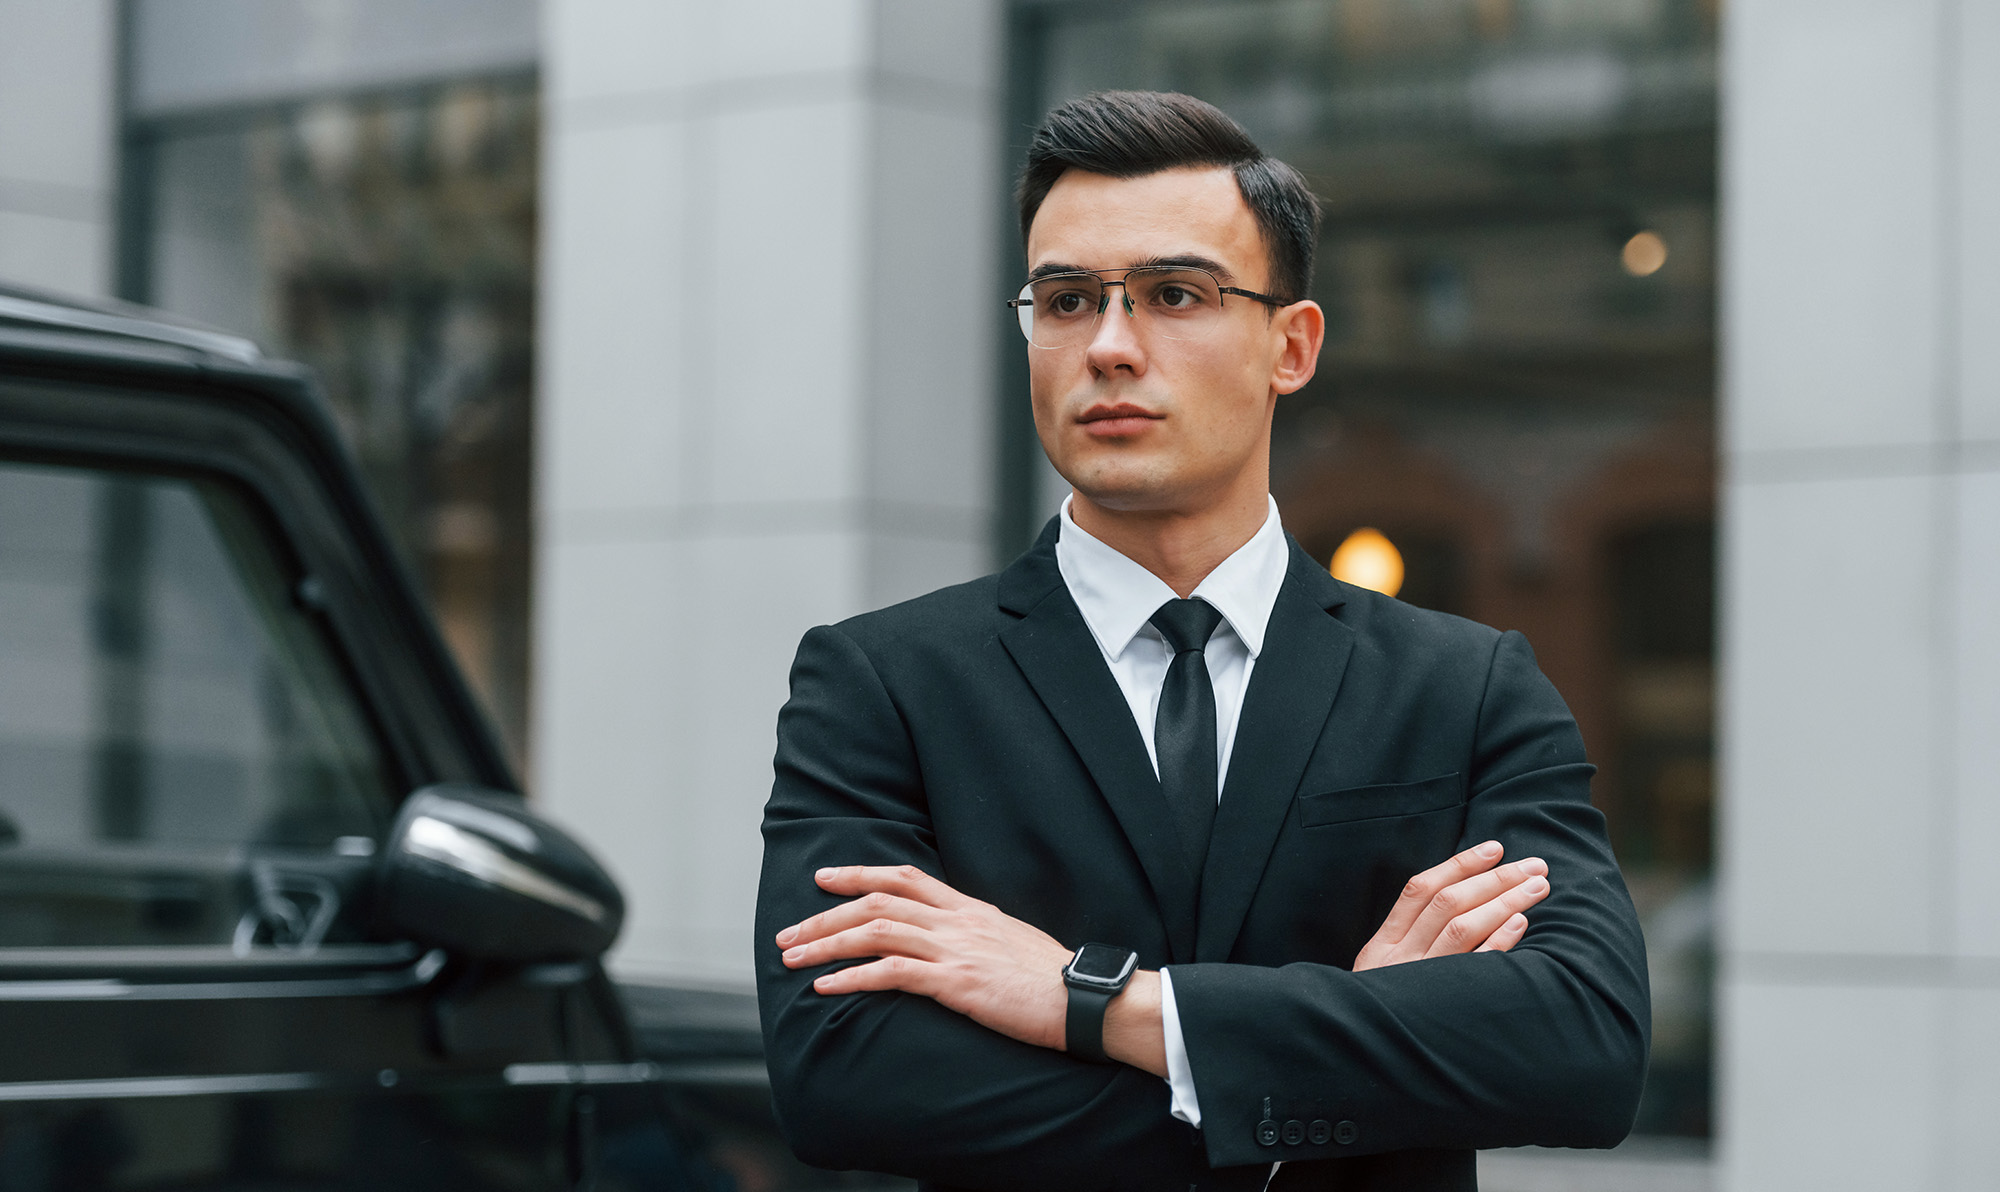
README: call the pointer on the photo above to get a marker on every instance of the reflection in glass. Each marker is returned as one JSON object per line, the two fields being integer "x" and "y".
{"x": 169, "y": 719}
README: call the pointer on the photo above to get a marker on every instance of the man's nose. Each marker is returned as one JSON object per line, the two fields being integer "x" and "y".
{"x": 1116, "y": 339}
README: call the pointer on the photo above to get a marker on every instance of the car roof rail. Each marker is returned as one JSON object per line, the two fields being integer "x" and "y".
{"x": 17, "y": 306}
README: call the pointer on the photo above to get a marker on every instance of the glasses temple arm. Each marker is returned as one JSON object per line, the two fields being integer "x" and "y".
{"x": 1254, "y": 295}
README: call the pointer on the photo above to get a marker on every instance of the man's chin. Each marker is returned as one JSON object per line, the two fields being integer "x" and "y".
{"x": 1128, "y": 498}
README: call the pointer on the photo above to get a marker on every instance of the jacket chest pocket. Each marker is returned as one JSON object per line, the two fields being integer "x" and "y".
{"x": 1382, "y": 801}
{"x": 1340, "y": 865}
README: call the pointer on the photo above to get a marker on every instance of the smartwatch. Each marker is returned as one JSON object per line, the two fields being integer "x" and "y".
{"x": 1095, "y": 975}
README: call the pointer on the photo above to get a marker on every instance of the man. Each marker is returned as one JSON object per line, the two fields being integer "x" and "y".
{"x": 1166, "y": 733}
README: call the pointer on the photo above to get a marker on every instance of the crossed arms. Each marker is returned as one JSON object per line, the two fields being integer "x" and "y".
{"x": 920, "y": 936}
{"x": 913, "y": 1028}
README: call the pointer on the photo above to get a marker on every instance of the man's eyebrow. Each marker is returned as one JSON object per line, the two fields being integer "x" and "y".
{"x": 1193, "y": 261}
{"x": 1176, "y": 261}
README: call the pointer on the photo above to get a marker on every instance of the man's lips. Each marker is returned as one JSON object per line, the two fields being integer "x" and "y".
{"x": 1121, "y": 419}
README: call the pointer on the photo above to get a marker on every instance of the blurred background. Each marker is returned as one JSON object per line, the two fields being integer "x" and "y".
{"x": 665, "y": 330}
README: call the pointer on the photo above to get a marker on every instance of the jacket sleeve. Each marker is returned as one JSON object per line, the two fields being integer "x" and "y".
{"x": 1543, "y": 1045}
{"x": 894, "y": 1082}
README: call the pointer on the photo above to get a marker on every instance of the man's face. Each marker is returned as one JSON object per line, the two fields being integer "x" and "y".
{"x": 1139, "y": 422}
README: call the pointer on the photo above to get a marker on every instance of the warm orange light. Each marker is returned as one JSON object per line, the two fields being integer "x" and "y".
{"x": 1644, "y": 254}
{"x": 1369, "y": 560}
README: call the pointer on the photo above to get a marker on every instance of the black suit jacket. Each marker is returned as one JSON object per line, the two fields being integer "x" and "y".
{"x": 977, "y": 734}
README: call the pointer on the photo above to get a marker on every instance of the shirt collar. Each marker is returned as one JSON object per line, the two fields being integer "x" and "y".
{"x": 1118, "y": 597}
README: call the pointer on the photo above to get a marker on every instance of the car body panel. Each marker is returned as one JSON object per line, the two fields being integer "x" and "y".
{"x": 238, "y": 1061}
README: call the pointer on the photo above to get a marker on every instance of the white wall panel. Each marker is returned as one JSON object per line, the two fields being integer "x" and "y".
{"x": 1976, "y": 261}
{"x": 56, "y": 76}
{"x": 65, "y": 256}
{"x": 1832, "y": 1089}
{"x": 1972, "y": 1098}
{"x": 615, "y": 339}
{"x": 1832, "y": 137}
{"x": 1830, "y": 763}
{"x": 57, "y": 90}
{"x": 756, "y": 596}
{"x": 734, "y": 413}
{"x": 940, "y": 306}
{"x": 677, "y": 52}
{"x": 1861, "y": 596}
{"x": 785, "y": 401}
{"x": 614, "y": 717}
{"x": 597, "y": 48}
{"x": 753, "y": 39}
{"x": 1975, "y": 825}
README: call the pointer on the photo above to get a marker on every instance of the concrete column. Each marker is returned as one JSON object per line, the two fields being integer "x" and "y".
{"x": 58, "y": 98}
{"x": 1860, "y": 964}
{"x": 767, "y": 305}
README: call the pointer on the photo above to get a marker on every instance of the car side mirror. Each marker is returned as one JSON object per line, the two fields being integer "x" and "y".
{"x": 472, "y": 871}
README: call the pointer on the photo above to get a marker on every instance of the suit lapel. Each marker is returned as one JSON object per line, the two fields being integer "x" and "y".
{"x": 1284, "y": 713}
{"x": 1056, "y": 652}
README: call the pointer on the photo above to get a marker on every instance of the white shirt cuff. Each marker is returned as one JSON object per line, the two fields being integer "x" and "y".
{"x": 1180, "y": 1076}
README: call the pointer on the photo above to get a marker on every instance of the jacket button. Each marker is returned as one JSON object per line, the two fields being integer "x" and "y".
{"x": 1346, "y": 1132}
{"x": 1320, "y": 1132}
{"x": 1295, "y": 1132}
{"x": 1267, "y": 1133}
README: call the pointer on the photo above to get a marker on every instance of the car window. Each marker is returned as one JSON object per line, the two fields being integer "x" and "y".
{"x": 182, "y": 760}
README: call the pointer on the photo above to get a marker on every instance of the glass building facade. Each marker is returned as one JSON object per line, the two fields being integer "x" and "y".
{"x": 374, "y": 217}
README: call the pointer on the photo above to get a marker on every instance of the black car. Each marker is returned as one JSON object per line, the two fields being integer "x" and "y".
{"x": 269, "y": 917}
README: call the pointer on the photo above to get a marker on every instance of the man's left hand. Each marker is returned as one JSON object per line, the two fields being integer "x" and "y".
{"x": 929, "y": 939}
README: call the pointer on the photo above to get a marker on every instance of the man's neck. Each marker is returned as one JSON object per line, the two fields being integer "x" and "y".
{"x": 1180, "y": 548}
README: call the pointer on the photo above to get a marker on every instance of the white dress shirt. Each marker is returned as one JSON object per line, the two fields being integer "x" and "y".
{"x": 1118, "y": 598}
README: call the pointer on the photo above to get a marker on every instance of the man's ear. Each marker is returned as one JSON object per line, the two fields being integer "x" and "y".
{"x": 1303, "y": 326}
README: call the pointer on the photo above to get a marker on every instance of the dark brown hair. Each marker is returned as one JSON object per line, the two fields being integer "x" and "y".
{"x": 1129, "y": 134}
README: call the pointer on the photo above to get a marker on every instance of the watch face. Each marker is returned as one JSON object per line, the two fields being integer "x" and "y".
{"x": 1101, "y": 962}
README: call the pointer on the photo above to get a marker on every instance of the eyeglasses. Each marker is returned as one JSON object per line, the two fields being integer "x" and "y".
{"x": 1061, "y": 310}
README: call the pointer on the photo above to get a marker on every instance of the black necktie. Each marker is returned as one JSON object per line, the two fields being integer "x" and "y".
{"x": 1184, "y": 727}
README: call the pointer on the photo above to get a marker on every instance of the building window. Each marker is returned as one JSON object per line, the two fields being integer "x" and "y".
{"x": 386, "y": 239}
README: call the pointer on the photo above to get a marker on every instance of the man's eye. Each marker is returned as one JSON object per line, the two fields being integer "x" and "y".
{"x": 1070, "y": 302}
{"x": 1175, "y": 297}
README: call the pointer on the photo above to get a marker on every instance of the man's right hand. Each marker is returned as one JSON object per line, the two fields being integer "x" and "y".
{"x": 1470, "y": 903}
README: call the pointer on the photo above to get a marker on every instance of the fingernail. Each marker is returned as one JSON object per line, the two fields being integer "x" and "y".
{"x": 1534, "y": 865}
{"x": 794, "y": 955}
{"x": 1489, "y": 850}
{"x": 824, "y": 875}
{"x": 787, "y": 936}
{"x": 1537, "y": 884}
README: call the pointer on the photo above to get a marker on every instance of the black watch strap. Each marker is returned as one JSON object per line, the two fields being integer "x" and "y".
{"x": 1083, "y": 1024}
{"x": 1095, "y": 975}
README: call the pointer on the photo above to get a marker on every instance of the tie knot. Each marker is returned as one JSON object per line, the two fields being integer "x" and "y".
{"x": 1187, "y": 624}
